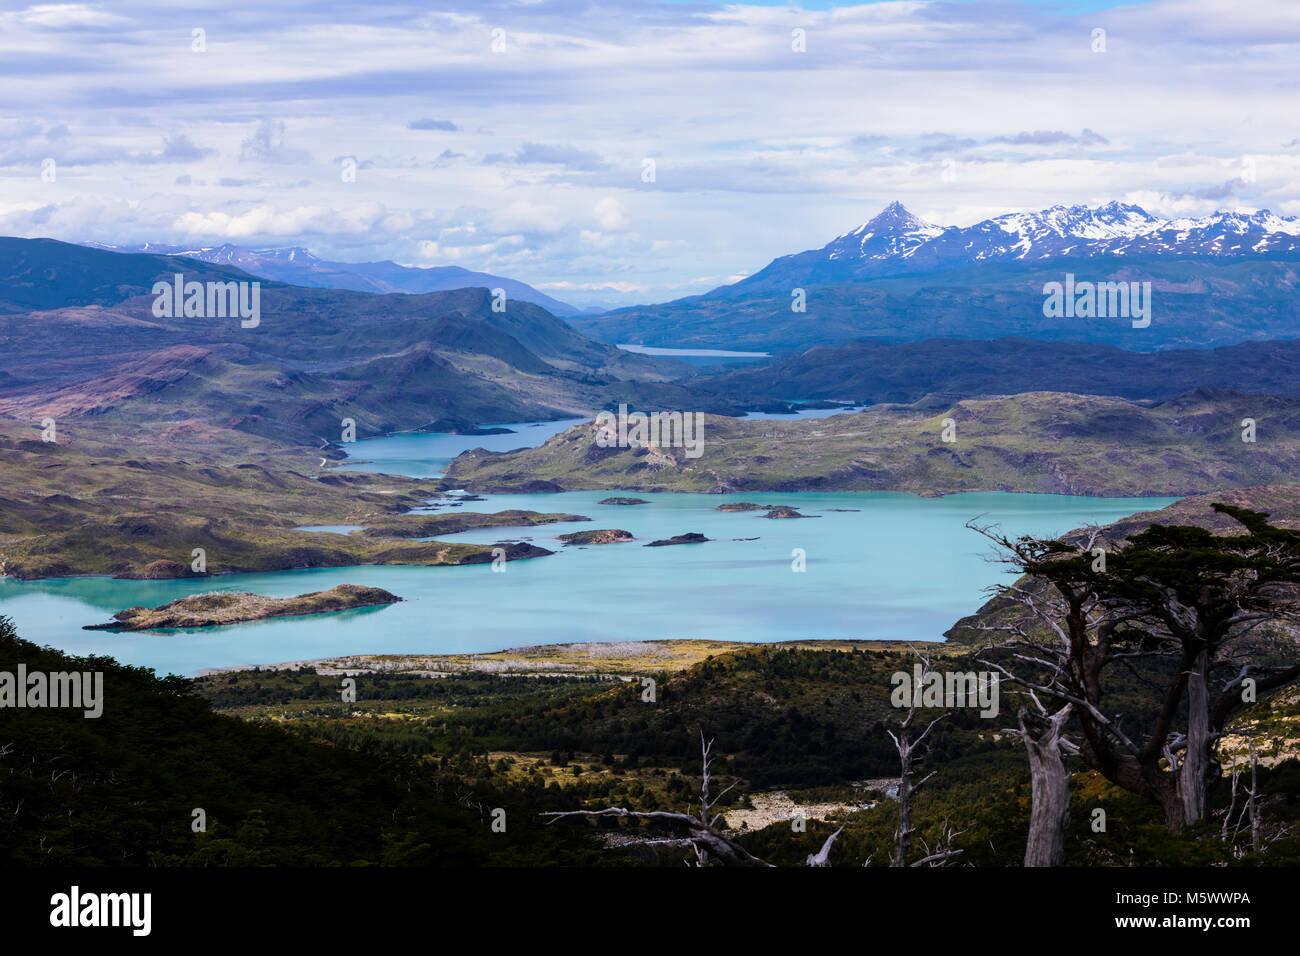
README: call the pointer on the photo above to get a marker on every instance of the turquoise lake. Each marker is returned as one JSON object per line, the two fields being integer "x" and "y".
{"x": 887, "y": 566}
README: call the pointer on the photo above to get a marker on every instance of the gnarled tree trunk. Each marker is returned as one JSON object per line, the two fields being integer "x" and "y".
{"x": 1193, "y": 778}
{"x": 1050, "y": 782}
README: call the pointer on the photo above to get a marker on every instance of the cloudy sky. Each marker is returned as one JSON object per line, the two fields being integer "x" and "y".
{"x": 515, "y": 137}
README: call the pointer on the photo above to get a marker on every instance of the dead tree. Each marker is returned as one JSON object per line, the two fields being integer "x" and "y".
{"x": 823, "y": 856}
{"x": 1041, "y": 727}
{"x": 1250, "y": 812}
{"x": 1232, "y": 806}
{"x": 703, "y": 835}
{"x": 943, "y": 850}
{"x": 1252, "y": 799}
{"x": 702, "y": 832}
{"x": 908, "y": 756}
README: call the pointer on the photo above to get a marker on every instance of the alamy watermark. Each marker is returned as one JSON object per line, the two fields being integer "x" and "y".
{"x": 76, "y": 690}
{"x": 208, "y": 300}
{"x": 128, "y": 910}
{"x": 653, "y": 430}
{"x": 1101, "y": 300}
{"x": 929, "y": 688}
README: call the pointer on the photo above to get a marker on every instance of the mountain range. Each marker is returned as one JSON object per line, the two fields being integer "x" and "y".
{"x": 1217, "y": 280}
{"x": 295, "y": 265}
{"x": 870, "y": 371}
{"x": 896, "y": 242}
{"x": 83, "y": 342}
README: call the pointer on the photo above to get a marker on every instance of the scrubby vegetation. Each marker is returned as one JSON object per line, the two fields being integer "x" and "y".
{"x": 802, "y": 721}
{"x": 1045, "y": 442}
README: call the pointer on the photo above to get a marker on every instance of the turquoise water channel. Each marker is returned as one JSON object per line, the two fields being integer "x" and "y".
{"x": 878, "y": 565}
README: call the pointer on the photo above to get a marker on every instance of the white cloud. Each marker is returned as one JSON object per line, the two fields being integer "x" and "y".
{"x": 760, "y": 151}
{"x": 609, "y": 213}
{"x": 621, "y": 287}
{"x": 268, "y": 220}
{"x": 58, "y": 16}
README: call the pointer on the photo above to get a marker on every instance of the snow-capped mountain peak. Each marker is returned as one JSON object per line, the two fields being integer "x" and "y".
{"x": 895, "y": 242}
{"x": 1112, "y": 221}
{"x": 896, "y": 218}
{"x": 894, "y": 231}
{"x": 1111, "y": 228}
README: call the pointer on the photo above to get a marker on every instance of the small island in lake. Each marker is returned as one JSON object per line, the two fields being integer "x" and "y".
{"x": 459, "y": 426}
{"x": 218, "y": 608}
{"x": 773, "y": 511}
{"x": 622, "y": 501}
{"x": 597, "y": 536}
{"x": 785, "y": 511}
{"x": 690, "y": 537}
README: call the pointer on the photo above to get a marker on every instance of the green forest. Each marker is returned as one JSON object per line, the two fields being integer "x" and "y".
{"x": 411, "y": 773}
